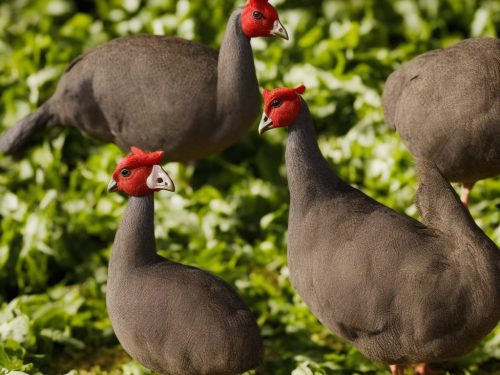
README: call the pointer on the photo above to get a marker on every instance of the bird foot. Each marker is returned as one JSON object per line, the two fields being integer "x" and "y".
{"x": 425, "y": 369}
{"x": 397, "y": 369}
{"x": 465, "y": 193}
{"x": 420, "y": 369}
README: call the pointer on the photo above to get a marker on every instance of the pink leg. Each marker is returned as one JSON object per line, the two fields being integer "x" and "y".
{"x": 424, "y": 369}
{"x": 465, "y": 194}
{"x": 397, "y": 369}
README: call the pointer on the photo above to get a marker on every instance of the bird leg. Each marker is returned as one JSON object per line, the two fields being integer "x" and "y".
{"x": 397, "y": 369}
{"x": 424, "y": 369}
{"x": 465, "y": 193}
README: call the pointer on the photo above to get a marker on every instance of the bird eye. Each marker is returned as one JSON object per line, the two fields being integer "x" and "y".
{"x": 125, "y": 172}
{"x": 275, "y": 103}
{"x": 257, "y": 15}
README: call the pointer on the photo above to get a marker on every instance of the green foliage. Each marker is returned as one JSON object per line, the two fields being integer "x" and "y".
{"x": 229, "y": 214}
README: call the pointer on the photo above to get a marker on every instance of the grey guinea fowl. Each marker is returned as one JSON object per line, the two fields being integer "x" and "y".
{"x": 401, "y": 291}
{"x": 445, "y": 104}
{"x": 174, "y": 319}
{"x": 159, "y": 92}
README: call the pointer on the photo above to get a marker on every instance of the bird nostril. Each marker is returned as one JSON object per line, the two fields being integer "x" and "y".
{"x": 265, "y": 118}
{"x": 159, "y": 180}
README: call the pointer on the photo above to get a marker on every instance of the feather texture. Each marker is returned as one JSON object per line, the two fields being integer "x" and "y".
{"x": 157, "y": 93}
{"x": 172, "y": 318}
{"x": 445, "y": 104}
{"x": 400, "y": 290}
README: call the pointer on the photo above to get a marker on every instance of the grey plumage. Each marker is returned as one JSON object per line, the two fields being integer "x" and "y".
{"x": 445, "y": 104}
{"x": 172, "y": 318}
{"x": 401, "y": 291}
{"x": 157, "y": 93}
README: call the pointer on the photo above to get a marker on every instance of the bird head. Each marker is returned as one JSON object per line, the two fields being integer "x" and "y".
{"x": 140, "y": 173}
{"x": 259, "y": 18}
{"x": 281, "y": 107}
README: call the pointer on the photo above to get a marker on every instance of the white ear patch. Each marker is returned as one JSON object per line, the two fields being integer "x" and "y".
{"x": 159, "y": 180}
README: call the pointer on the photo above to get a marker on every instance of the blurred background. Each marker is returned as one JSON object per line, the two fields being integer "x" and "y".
{"x": 229, "y": 213}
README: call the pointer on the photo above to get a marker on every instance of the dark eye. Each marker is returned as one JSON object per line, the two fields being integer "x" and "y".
{"x": 275, "y": 103}
{"x": 125, "y": 172}
{"x": 257, "y": 15}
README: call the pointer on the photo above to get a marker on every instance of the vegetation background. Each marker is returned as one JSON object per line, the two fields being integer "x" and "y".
{"x": 229, "y": 214}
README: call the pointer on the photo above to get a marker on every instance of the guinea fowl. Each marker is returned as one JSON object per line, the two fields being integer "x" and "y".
{"x": 445, "y": 104}
{"x": 192, "y": 101}
{"x": 401, "y": 291}
{"x": 172, "y": 318}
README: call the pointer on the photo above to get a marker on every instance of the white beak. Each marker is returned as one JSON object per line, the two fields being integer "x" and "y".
{"x": 279, "y": 30}
{"x": 265, "y": 124}
{"x": 159, "y": 180}
{"x": 112, "y": 186}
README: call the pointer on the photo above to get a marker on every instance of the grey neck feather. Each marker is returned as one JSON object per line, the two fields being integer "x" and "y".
{"x": 309, "y": 175}
{"x": 237, "y": 85}
{"x": 134, "y": 243}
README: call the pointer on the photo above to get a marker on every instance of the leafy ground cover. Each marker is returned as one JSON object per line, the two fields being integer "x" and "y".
{"x": 229, "y": 214}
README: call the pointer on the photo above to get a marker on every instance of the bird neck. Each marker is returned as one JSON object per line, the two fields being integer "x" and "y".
{"x": 309, "y": 175}
{"x": 134, "y": 243}
{"x": 238, "y": 98}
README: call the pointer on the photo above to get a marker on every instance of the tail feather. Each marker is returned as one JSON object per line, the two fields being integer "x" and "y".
{"x": 16, "y": 137}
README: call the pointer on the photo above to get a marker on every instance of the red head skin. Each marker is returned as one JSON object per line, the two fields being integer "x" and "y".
{"x": 131, "y": 174}
{"x": 281, "y": 107}
{"x": 259, "y": 18}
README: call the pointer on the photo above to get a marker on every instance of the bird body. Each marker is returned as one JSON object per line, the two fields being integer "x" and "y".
{"x": 445, "y": 104}
{"x": 172, "y": 318}
{"x": 401, "y": 291}
{"x": 159, "y": 92}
